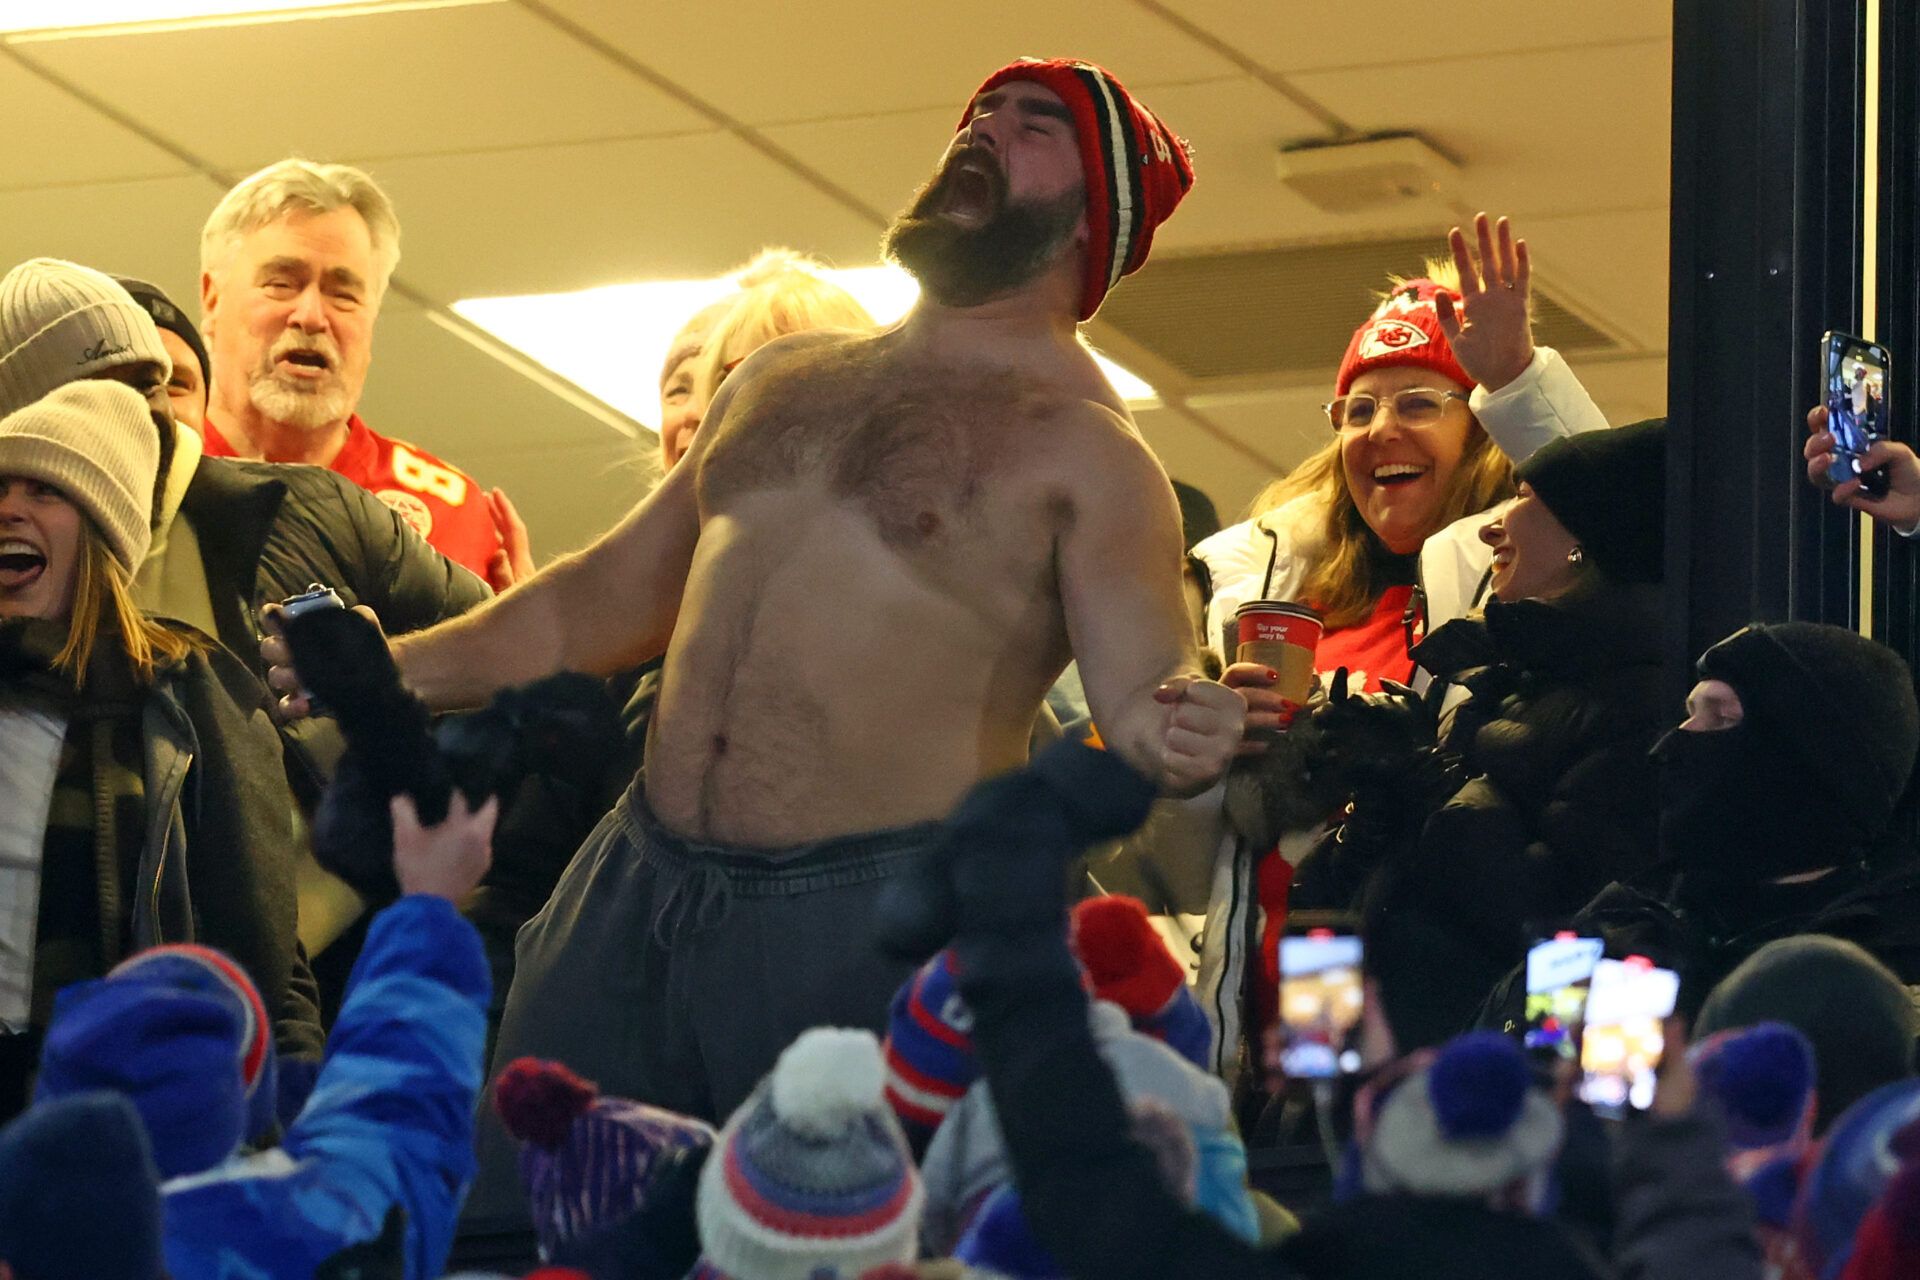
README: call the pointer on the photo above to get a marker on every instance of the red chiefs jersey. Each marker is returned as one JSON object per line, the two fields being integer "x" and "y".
{"x": 442, "y": 503}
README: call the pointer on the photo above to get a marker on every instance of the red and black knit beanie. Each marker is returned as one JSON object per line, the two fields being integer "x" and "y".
{"x": 1137, "y": 168}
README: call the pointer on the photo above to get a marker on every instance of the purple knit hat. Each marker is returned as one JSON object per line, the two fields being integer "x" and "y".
{"x": 587, "y": 1162}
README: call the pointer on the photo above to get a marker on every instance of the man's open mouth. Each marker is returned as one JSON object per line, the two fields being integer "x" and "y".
{"x": 21, "y": 563}
{"x": 1397, "y": 473}
{"x": 972, "y": 194}
{"x": 305, "y": 359}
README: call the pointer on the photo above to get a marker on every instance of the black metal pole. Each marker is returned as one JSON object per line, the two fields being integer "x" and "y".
{"x": 1766, "y": 254}
{"x": 1896, "y": 568}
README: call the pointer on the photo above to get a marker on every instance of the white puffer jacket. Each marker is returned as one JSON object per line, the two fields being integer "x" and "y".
{"x": 1268, "y": 559}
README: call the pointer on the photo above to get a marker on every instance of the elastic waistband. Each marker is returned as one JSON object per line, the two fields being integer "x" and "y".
{"x": 775, "y": 872}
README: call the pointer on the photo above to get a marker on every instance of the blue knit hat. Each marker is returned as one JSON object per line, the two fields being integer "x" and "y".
{"x": 79, "y": 1196}
{"x": 1763, "y": 1079}
{"x": 929, "y": 1049}
{"x": 182, "y": 1032}
{"x": 811, "y": 1178}
{"x": 1000, "y": 1242}
{"x": 1466, "y": 1126}
{"x": 588, "y": 1162}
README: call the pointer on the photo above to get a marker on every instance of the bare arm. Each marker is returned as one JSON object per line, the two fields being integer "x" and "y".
{"x": 1119, "y": 566}
{"x": 600, "y": 610}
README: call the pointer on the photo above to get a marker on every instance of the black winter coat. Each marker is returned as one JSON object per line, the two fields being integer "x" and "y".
{"x": 1553, "y": 796}
{"x": 1561, "y": 797}
{"x": 266, "y": 530}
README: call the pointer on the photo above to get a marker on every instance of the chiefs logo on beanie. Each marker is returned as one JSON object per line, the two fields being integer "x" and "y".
{"x": 1403, "y": 330}
{"x": 1137, "y": 169}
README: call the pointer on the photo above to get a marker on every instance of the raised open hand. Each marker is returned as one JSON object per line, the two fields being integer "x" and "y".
{"x": 1488, "y": 324}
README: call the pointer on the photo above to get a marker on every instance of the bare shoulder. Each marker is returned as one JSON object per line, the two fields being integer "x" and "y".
{"x": 793, "y": 352}
{"x": 1107, "y": 454}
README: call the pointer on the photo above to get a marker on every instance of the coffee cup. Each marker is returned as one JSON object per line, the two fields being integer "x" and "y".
{"x": 1283, "y": 636}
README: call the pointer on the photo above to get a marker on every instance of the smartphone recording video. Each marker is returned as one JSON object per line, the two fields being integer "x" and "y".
{"x": 1558, "y": 972}
{"x": 1856, "y": 372}
{"x": 1620, "y": 1048}
{"x": 1320, "y": 1002}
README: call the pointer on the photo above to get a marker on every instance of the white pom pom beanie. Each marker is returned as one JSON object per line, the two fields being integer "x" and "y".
{"x": 812, "y": 1174}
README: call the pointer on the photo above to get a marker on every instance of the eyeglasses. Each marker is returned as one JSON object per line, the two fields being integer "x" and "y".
{"x": 1414, "y": 407}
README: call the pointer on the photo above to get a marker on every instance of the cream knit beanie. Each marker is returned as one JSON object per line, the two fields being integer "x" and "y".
{"x": 95, "y": 442}
{"x": 60, "y": 321}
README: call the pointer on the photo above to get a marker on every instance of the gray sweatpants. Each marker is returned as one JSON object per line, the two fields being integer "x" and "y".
{"x": 675, "y": 972}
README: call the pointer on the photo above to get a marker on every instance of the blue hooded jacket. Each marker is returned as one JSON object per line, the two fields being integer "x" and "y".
{"x": 380, "y": 1157}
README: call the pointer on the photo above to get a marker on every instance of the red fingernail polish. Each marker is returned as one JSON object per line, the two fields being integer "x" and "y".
{"x": 1272, "y": 674}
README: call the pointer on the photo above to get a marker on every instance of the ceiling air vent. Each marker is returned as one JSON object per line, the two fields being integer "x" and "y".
{"x": 1285, "y": 315}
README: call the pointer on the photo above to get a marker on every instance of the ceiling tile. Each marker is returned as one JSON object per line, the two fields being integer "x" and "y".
{"x": 367, "y": 86}
{"x": 1294, "y": 37}
{"x": 148, "y": 228}
{"x": 56, "y": 139}
{"x": 1607, "y": 143}
{"x": 432, "y": 387}
{"x": 556, "y": 218}
{"x": 1237, "y": 128}
{"x": 773, "y": 60}
{"x": 1609, "y": 267}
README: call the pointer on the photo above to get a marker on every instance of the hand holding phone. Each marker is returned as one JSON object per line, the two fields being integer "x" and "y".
{"x": 1558, "y": 972}
{"x": 1624, "y": 1039}
{"x": 1321, "y": 999}
{"x": 1857, "y": 386}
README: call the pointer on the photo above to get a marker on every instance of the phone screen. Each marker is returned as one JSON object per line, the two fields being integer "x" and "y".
{"x": 1558, "y": 971}
{"x": 1856, "y": 406}
{"x": 1621, "y": 1045}
{"x": 1320, "y": 1002}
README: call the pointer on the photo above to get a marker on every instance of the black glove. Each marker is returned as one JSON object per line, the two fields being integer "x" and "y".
{"x": 1000, "y": 866}
{"x": 1371, "y": 739}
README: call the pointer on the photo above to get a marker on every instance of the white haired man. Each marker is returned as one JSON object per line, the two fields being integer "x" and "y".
{"x": 295, "y": 261}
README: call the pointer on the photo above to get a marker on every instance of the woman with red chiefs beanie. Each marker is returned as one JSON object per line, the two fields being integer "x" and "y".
{"x": 1440, "y": 394}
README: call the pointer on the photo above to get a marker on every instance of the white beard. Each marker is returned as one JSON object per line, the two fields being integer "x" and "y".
{"x": 309, "y": 410}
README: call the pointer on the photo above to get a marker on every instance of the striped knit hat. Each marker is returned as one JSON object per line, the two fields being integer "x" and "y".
{"x": 812, "y": 1179}
{"x": 929, "y": 1049}
{"x": 587, "y": 1162}
{"x": 182, "y": 1032}
{"x": 1137, "y": 169}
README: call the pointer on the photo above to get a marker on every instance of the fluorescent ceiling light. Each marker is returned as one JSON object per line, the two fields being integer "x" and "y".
{"x": 58, "y": 19}
{"x": 611, "y": 341}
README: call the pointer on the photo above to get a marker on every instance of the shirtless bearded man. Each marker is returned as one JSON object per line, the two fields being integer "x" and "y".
{"x": 878, "y": 555}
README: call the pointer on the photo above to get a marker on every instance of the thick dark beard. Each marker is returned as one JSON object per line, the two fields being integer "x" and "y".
{"x": 966, "y": 266}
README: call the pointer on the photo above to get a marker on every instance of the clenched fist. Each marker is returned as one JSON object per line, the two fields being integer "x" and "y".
{"x": 1201, "y": 727}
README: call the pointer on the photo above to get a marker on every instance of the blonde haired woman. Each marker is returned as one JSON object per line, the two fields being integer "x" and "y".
{"x": 1441, "y": 392}
{"x": 142, "y": 797}
{"x": 781, "y": 292}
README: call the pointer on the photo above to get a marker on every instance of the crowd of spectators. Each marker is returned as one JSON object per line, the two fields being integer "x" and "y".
{"x": 724, "y": 899}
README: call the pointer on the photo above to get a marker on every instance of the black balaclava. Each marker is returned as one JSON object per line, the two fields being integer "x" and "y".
{"x": 1811, "y": 774}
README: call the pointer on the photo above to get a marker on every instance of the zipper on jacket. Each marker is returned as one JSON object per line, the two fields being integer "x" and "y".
{"x": 160, "y": 863}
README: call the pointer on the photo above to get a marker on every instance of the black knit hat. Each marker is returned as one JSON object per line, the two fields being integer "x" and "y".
{"x": 1848, "y": 1005}
{"x": 169, "y": 317}
{"x": 1609, "y": 488}
{"x": 1840, "y": 704}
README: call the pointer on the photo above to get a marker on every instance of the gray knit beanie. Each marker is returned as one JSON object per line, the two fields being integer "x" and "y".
{"x": 60, "y": 322}
{"x": 94, "y": 442}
